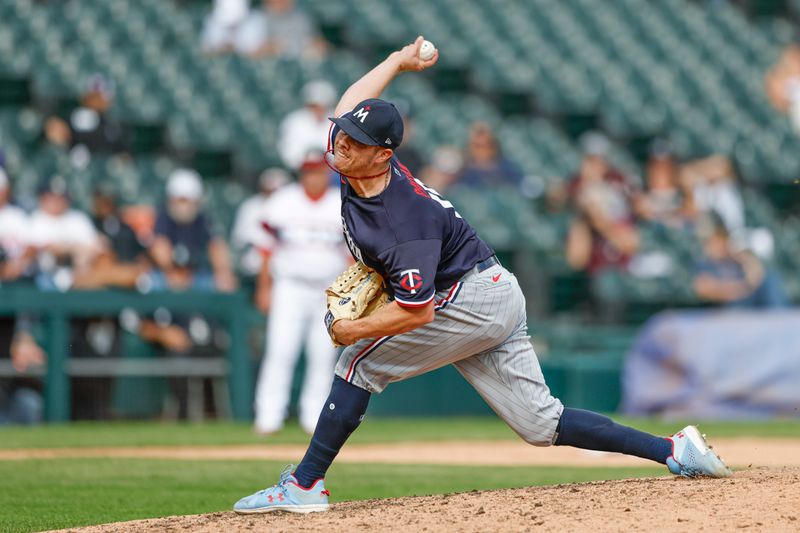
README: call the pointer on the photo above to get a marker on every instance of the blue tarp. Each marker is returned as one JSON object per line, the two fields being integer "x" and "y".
{"x": 715, "y": 364}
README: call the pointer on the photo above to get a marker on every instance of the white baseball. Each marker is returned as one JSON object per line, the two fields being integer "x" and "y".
{"x": 426, "y": 51}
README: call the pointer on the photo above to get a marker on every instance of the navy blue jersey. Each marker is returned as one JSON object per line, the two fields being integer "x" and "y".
{"x": 411, "y": 236}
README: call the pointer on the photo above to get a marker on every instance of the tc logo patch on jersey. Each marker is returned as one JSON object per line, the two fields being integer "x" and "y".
{"x": 410, "y": 280}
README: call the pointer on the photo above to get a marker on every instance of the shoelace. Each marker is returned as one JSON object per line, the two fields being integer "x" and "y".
{"x": 285, "y": 474}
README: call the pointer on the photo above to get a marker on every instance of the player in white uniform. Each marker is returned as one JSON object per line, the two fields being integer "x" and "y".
{"x": 303, "y": 238}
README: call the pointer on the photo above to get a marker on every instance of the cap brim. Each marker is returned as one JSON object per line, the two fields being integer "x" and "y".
{"x": 350, "y": 128}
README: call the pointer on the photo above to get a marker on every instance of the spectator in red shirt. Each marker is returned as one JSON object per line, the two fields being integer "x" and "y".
{"x": 603, "y": 234}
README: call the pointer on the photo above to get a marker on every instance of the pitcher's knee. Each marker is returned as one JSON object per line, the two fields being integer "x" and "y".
{"x": 542, "y": 432}
{"x": 539, "y": 441}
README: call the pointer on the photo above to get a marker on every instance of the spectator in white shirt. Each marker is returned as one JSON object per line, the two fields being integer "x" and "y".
{"x": 65, "y": 238}
{"x": 306, "y": 129}
{"x": 222, "y": 27}
{"x": 712, "y": 181}
{"x": 279, "y": 28}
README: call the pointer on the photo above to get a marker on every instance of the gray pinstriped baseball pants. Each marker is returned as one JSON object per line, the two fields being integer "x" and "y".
{"x": 481, "y": 329}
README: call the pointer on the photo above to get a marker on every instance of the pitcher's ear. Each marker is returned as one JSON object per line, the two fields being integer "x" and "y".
{"x": 384, "y": 155}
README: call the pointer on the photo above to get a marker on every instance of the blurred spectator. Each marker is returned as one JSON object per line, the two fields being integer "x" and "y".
{"x": 89, "y": 129}
{"x": 20, "y": 405}
{"x": 247, "y": 235}
{"x": 64, "y": 238}
{"x": 16, "y": 254}
{"x": 222, "y": 27}
{"x": 596, "y": 243}
{"x": 596, "y": 172}
{"x": 602, "y": 237}
{"x": 107, "y": 220}
{"x": 189, "y": 256}
{"x": 603, "y": 234}
{"x": 783, "y": 84}
{"x": 307, "y": 128}
{"x": 20, "y": 398}
{"x": 664, "y": 201}
{"x": 185, "y": 249}
{"x": 712, "y": 183}
{"x": 735, "y": 277}
{"x": 122, "y": 261}
{"x": 71, "y": 255}
{"x": 443, "y": 170}
{"x": 305, "y": 246}
{"x": 484, "y": 164}
{"x": 279, "y": 28}
{"x": 127, "y": 265}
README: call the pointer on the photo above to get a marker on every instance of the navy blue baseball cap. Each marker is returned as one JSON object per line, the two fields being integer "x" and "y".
{"x": 374, "y": 122}
{"x": 55, "y": 184}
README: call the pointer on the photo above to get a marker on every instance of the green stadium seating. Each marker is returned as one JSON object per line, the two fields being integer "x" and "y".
{"x": 541, "y": 72}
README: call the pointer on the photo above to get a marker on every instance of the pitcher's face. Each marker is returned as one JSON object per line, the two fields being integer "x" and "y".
{"x": 353, "y": 158}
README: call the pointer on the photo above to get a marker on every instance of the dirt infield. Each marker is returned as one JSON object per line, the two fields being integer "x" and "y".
{"x": 741, "y": 452}
{"x": 758, "y": 499}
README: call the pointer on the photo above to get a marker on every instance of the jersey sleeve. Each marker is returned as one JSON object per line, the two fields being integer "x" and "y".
{"x": 411, "y": 271}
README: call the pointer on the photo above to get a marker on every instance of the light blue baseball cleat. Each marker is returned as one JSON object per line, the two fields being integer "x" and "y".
{"x": 693, "y": 457}
{"x": 287, "y": 495}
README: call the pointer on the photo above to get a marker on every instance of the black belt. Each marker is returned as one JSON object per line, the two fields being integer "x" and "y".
{"x": 487, "y": 263}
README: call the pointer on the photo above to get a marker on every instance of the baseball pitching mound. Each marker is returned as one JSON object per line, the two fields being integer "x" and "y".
{"x": 757, "y": 499}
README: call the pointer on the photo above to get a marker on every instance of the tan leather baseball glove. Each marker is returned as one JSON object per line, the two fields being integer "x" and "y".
{"x": 358, "y": 291}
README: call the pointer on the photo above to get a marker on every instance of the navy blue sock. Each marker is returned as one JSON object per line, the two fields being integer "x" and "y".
{"x": 342, "y": 413}
{"x": 591, "y": 431}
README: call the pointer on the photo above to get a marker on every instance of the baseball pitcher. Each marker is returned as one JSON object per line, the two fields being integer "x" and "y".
{"x": 451, "y": 302}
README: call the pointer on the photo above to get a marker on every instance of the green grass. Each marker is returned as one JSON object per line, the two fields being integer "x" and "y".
{"x": 56, "y": 493}
{"x": 371, "y": 431}
{"x": 59, "y": 493}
